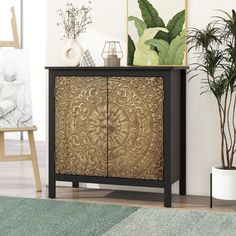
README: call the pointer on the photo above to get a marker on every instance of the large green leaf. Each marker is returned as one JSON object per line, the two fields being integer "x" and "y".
{"x": 163, "y": 35}
{"x": 150, "y": 14}
{"x": 148, "y": 33}
{"x": 162, "y": 47}
{"x": 175, "y": 25}
{"x": 139, "y": 24}
{"x": 131, "y": 50}
{"x": 143, "y": 54}
{"x": 146, "y": 58}
{"x": 175, "y": 54}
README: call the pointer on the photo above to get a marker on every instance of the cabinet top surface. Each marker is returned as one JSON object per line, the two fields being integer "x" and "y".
{"x": 127, "y": 68}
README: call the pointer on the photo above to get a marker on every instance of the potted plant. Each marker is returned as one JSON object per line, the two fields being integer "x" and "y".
{"x": 74, "y": 22}
{"x": 216, "y": 63}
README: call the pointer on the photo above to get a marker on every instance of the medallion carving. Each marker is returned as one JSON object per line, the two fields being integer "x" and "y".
{"x": 110, "y": 126}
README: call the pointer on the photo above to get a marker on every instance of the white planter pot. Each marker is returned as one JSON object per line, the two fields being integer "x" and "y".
{"x": 71, "y": 53}
{"x": 223, "y": 184}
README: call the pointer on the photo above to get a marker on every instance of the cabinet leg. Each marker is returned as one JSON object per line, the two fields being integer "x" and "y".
{"x": 75, "y": 184}
{"x": 167, "y": 196}
{"x": 52, "y": 189}
{"x": 182, "y": 187}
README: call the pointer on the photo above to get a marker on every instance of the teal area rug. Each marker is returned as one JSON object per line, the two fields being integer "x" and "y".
{"x": 171, "y": 222}
{"x": 30, "y": 217}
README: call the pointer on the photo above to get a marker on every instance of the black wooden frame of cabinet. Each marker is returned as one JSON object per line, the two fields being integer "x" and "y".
{"x": 174, "y": 139}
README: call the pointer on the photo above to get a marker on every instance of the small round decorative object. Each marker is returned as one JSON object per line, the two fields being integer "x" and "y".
{"x": 71, "y": 53}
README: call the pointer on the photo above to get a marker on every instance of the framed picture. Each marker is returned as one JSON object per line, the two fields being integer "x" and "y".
{"x": 5, "y": 19}
{"x": 156, "y": 33}
{"x": 15, "y": 95}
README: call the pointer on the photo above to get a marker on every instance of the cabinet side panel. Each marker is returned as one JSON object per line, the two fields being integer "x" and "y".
{"x": 135, "y": 127}
{"x": 176, "y": 138}
{"x": 81, "y": 132}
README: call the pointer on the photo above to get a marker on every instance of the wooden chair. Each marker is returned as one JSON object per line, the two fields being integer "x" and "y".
{"x": 26, "y": 157}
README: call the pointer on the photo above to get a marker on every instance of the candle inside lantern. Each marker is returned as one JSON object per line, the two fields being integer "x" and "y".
{"x": 110, "y": 53}
{"x": 113, "y": 51}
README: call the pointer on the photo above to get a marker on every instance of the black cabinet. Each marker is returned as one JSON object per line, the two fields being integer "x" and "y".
{"x": 122, "y": 125}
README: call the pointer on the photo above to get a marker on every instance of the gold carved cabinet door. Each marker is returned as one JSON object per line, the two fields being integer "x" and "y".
{"x": 81, "y": 125}
{"x": 135, "y": 127}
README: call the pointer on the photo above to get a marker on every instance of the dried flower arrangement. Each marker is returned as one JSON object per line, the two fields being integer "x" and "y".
{"x": 74, "y": 20}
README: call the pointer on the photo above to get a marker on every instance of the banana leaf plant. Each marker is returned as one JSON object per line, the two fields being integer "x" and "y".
{"x": 215, "y": 47}
{"x": 158, "y": 43}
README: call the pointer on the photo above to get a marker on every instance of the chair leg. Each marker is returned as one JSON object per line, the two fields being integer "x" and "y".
{"x": 2, "y": 146}
{"x": 34, "y": 161}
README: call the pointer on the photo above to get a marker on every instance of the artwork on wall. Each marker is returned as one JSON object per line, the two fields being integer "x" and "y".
{"x": 5, "y": 19}
{"x": 156, "y": 32}
{"x": 15, "y": 96}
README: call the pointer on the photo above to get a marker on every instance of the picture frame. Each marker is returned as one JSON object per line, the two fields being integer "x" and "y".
{"x": 156, "y": 33}
{"x": 15, "y": 90}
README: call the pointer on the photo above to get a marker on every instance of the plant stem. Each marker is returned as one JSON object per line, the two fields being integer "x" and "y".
{"x": 224, "y": 121}
{"x": 228, "y": 121}
{"x": 222, "y": 135}
{"x": 234, "y": 129}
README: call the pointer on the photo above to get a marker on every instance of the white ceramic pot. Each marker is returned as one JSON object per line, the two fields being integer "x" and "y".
{"x": 223, "y": 184}
{"x": 71, "y": 53}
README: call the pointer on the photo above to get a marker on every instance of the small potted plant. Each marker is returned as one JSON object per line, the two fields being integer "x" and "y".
{"x": 74, "y": 22}
{"x": 216, "y": 63}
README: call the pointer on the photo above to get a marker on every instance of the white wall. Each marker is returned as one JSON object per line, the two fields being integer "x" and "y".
{"x": 35, "y": 41}
{"x": 202, "y": 119}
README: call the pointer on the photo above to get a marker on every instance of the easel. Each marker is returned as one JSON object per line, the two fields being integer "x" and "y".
{"x": 15, "y": 43}
{"x": 33, "y": 154}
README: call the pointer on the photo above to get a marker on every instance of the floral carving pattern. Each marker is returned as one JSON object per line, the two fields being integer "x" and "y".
{"x": 140, "y": 154}
{"x": 81, "y": 147}
{"x": 110, "y": 126}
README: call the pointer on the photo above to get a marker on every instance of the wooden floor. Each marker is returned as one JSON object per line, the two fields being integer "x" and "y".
{"x": 16, "y": 179}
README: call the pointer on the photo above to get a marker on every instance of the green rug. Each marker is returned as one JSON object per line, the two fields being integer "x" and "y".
{"x": 29, "y": 217}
